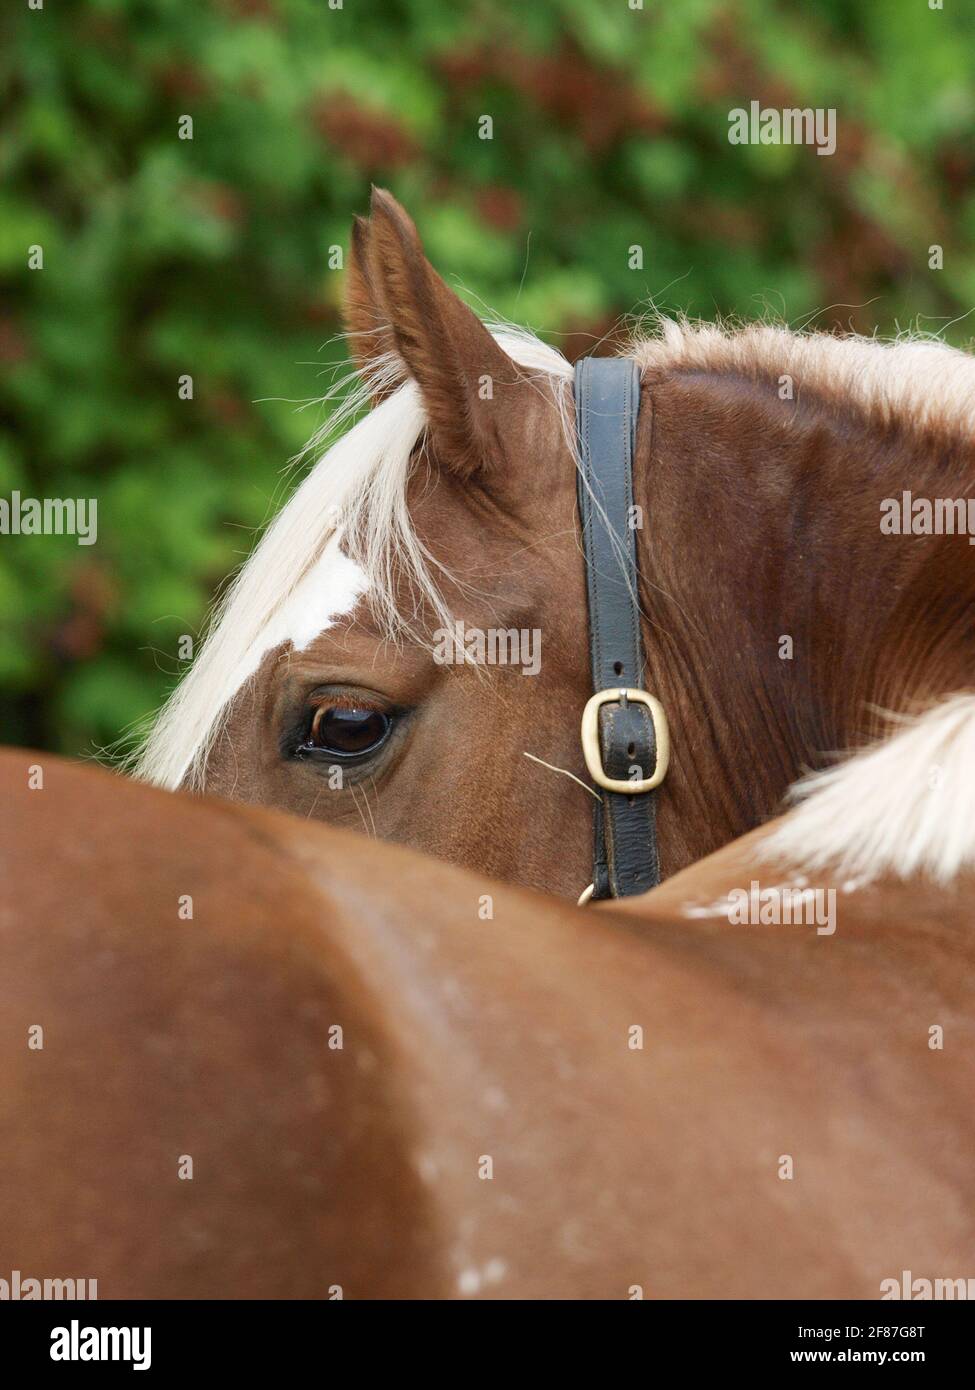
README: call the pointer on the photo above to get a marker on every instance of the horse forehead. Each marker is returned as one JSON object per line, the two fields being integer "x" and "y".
{"x": 326, "y": 596}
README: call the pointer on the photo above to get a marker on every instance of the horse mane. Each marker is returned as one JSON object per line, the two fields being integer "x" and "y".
{"x": 914, "y": 382}
{"x": 345, "y": 531}
{"x": 902, "y": 807}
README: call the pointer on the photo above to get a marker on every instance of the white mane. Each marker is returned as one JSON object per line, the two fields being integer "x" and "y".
{"x": 905, "y": 806}
{"x": 915, "y": 380}
{"x": 343, "y": 533}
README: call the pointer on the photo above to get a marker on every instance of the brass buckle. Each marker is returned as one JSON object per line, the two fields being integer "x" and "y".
{"x": 589, "y": 734}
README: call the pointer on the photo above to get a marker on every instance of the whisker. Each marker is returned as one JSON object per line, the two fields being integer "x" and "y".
{"x": 564, "y": 771}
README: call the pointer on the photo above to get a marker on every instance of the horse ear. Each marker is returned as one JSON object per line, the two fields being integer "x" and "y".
{"x": 395, "y": 301}
{"x": 370, "y": 340}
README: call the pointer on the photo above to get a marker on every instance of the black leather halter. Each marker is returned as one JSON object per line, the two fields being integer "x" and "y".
{"x": 625, "y": 739}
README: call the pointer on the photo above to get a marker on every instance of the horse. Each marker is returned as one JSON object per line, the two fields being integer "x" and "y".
{"x": 253, "y": 1055}
{"x": 782, "y": 621}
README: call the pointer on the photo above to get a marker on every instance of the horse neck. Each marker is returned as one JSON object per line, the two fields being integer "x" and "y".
{"x": 779, "y": 619}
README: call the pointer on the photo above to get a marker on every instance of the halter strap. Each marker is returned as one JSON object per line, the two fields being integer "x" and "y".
{"x": 624, "y": 730}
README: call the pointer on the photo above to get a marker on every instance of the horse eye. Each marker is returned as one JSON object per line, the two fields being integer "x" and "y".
{"x": 347, "y": 732}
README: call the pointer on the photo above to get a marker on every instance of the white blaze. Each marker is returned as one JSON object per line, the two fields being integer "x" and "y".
{"x": 327, "y": 594}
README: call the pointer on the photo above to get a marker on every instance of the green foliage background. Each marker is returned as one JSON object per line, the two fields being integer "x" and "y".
{"x": 211, "y": 256}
